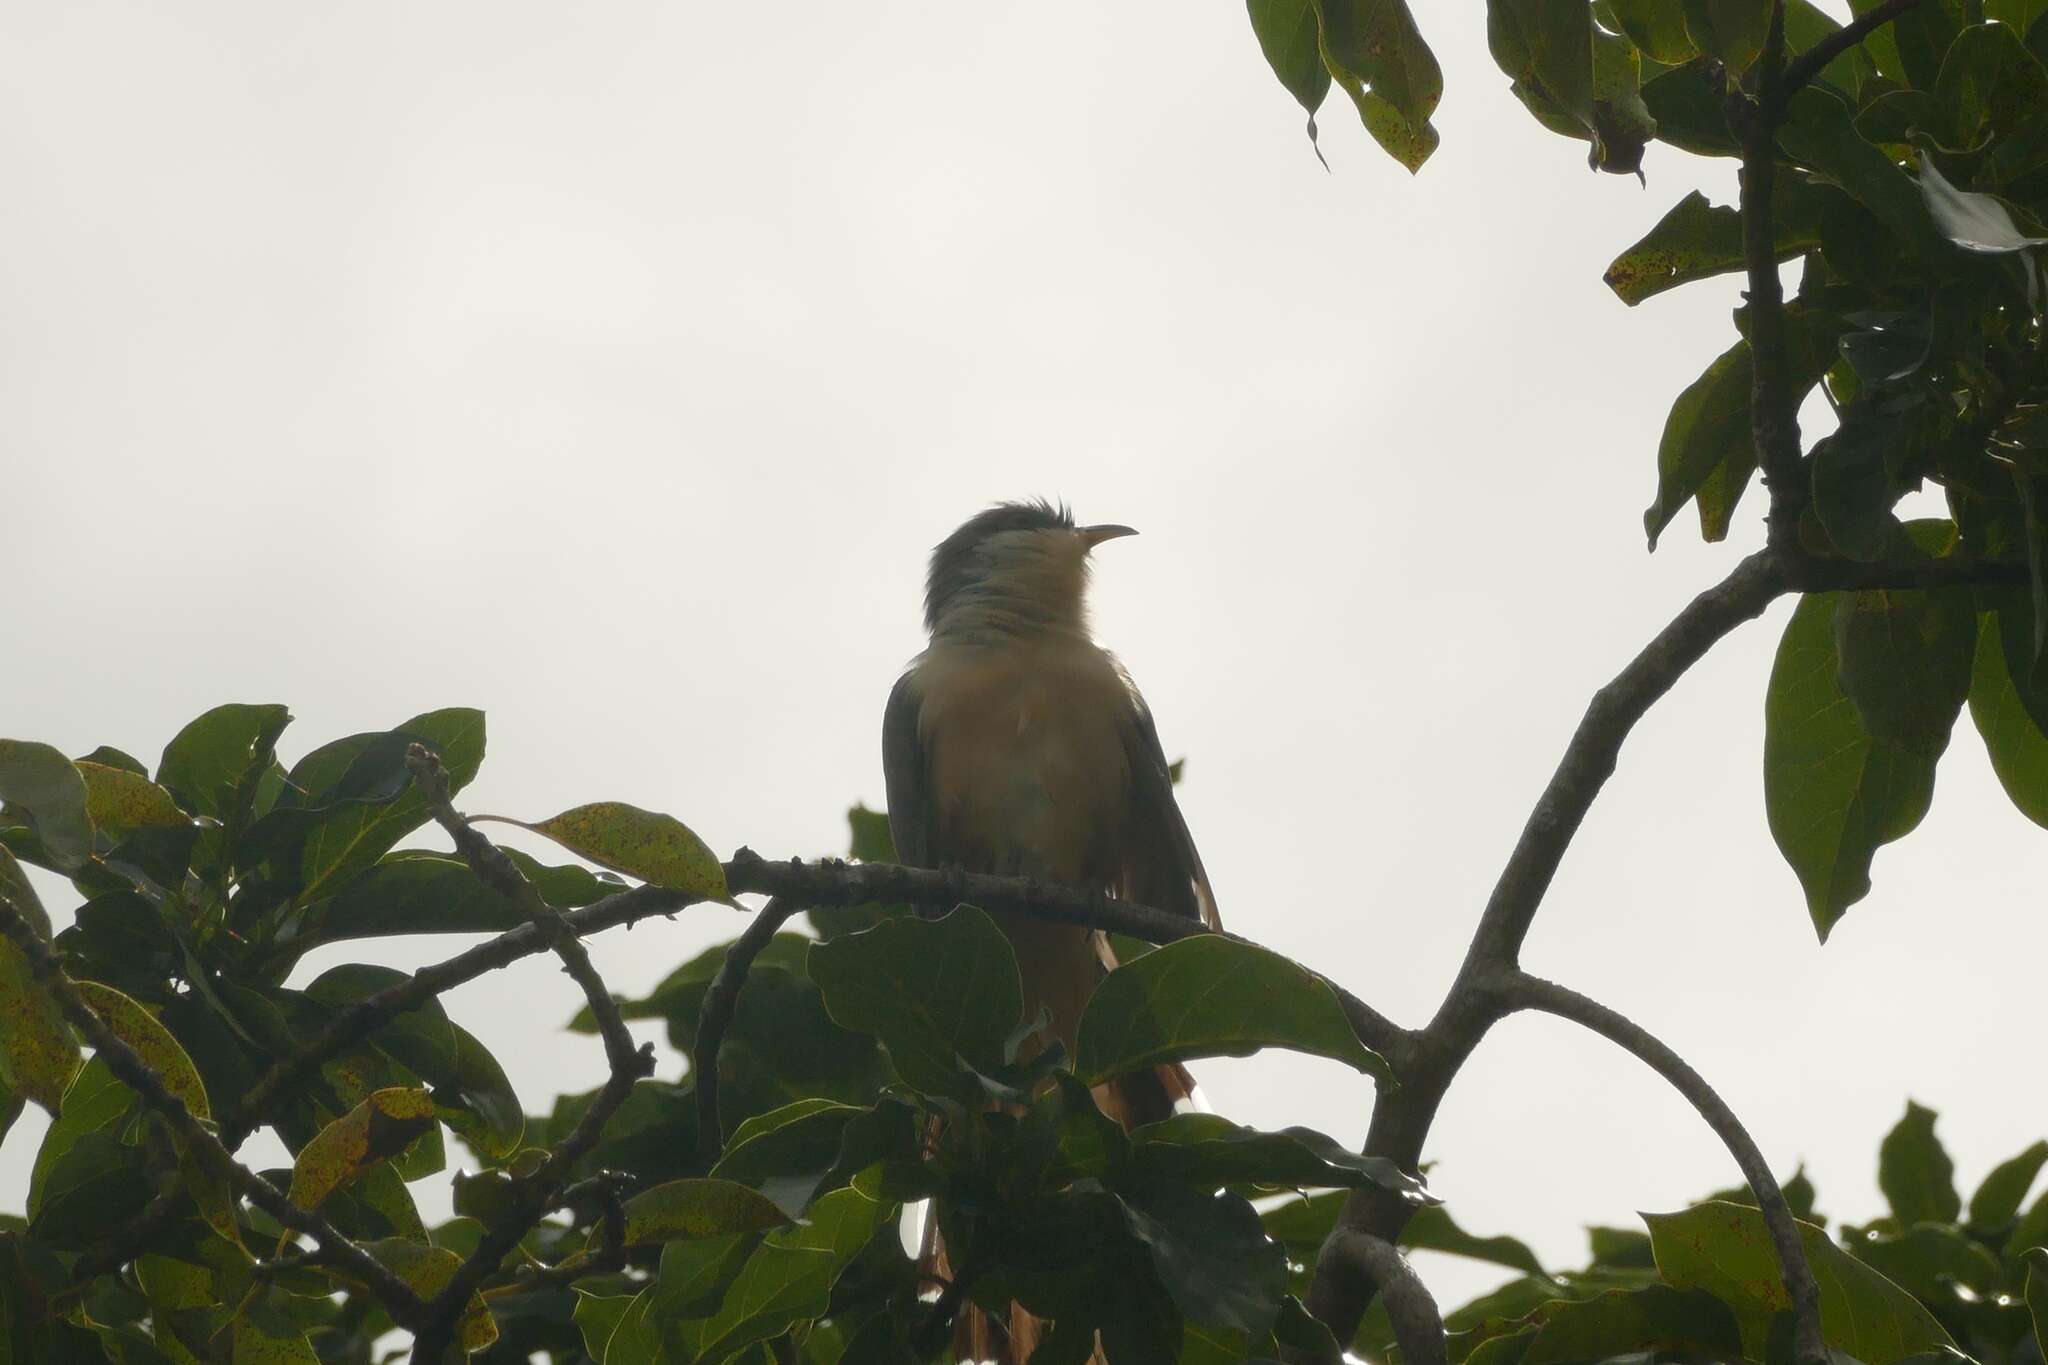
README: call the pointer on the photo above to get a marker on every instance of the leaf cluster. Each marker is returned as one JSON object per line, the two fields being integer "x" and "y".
{"x": 1934, "y": 1279}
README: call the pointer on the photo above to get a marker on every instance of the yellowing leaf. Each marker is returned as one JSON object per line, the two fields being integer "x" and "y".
{"x": 646, "y": 844}
{"x": 382, "y": 1126}
{"x": 38, "y": 1056}
{"x": 255, "y": 1345}
{"x": 117, "y": 800}
{"x": 427, "y": 1270}
{"x": 683, "y": 1209}
{"x": 153, "y": 1043}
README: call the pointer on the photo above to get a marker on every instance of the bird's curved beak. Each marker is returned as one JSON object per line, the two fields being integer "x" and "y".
{"x": 1093, "y": 536}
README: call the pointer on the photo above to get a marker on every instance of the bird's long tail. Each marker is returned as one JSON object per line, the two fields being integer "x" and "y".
{"x": 1059, "y": 966}
{"x": 986, "y": 1338}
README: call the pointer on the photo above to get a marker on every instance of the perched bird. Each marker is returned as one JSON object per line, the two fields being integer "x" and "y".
{"x": 1014, "y": 744}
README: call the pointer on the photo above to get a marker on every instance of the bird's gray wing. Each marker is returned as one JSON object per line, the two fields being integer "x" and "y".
{"x": 906, "y": 775}
{"x": 1160, "y": 866}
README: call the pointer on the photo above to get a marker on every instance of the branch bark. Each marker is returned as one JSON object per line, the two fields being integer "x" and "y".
{"x": 713, "y": 1017}
{"x": 1418, "y": 1325}
{"x": 540, "y": 1191}
{"x": 1808, "y": 64}
{"x": 1517, "y": 990}
{"x": 399, "y": 1301}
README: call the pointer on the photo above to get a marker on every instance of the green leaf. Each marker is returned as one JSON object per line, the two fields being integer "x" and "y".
{"x": 1998, "y": 1199}
{"x": 1805, "y": 27}
{"x": 1377, "y": 55}
{"x": 97, "y": 1182}
{"x": 1725, "y": 1250}
{"x": 38, "y": 781}
{"x": 1656, "y": 27}
{"x": 1707, "y": 432}
{"x": 1287, "y": 34}
{"x": 1927, "y": 1260}
{"x": 1208, "y": 1151}
{"x": 1546, "y": 48}
{"x": 1853, "y": 490}
{"x": 210, "y": 761}
{"x": 935, "y": 992}
{"x": 1819, "y": 132}
{"x": 1990, "y": 85}
{"x": 787, "y": 1280}
{"x": 1832, "y": 791}
{"x": 1688, "y": 103}
{"x": 656, "y": 848}
{"x": 1691, "y": 1324}
{"x": 1433, "y": 1229}
{"x": 421, "y": 1039}
{"x": 1920, "y": 37}
{"x": 1696, "y": 241}
{"x": 1211, "y": 996}
{"x": 1905, "y": 660}
{"x": 381, "y": 1127}
{"x": 2018, "y": 750}
{"x": 356, "y": 830}
{"x": 683, "y": 1209}
{"x": 1211, "y": 1255}
{"x": 2037, "y": 1297}
{"x": 598, "y": 1316}
{"x": 1915, "y": 1173}
{"x": 477, "y": 1100}
{"x": 415, "y": 891}
{"x": 786, "y": 1152}
{"x": 1732, "y": 30}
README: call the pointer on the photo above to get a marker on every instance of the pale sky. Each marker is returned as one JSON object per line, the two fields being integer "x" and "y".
{"x": 613, "y": 368}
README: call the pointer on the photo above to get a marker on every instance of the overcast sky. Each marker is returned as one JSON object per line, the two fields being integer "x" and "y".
{"x": 613, "y": 368}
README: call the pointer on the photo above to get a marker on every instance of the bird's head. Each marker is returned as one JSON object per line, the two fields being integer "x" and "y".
{"x": 1015, "y": 568}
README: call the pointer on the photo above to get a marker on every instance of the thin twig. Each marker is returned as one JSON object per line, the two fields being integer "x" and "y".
{"x": 713, "y": 1017}
{"x": 1403, "y": 1114}
{"x": 1808, "y": 64}
{"x": 1773, "y": 413}
{"x": 397, "y": 1298}
{"x": 540, "y": 1190}
{"x": 1518, "y": 990}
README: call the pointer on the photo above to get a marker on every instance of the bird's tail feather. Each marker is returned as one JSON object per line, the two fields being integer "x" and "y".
{"x": 986, "y": 1338}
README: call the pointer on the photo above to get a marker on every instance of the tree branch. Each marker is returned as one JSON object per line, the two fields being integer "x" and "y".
{"x": 825, "y": 884}
{"x": 1517, "y": 990}
{"x": 1808, "y": 64}
{"x": 830, "y": 883}
{"x": 1402, "y": 1115}
{"x": 398, "y": 1299}
{"x": 539, "y": 1191}
{"x": 1418, "y": 1325}
{"x": 1773, "y": 413}
{"x": 715, "y": 1014}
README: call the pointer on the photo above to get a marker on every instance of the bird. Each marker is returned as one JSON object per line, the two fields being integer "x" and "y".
{"x": 1016, "y": 745}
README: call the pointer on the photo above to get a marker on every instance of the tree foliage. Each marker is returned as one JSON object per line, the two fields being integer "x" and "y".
{"x": 881, "y": 1061}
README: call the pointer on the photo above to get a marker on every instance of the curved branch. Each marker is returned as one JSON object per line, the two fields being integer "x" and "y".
{"x": 1517, "y": 990}
{"x": 1418, "y": 1325}
{"x": 1808, "y": 64}
{"x": 715, "y": 1015}
{"x": 336, "y": 1249}
{"x": 1402, "y": 1116}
